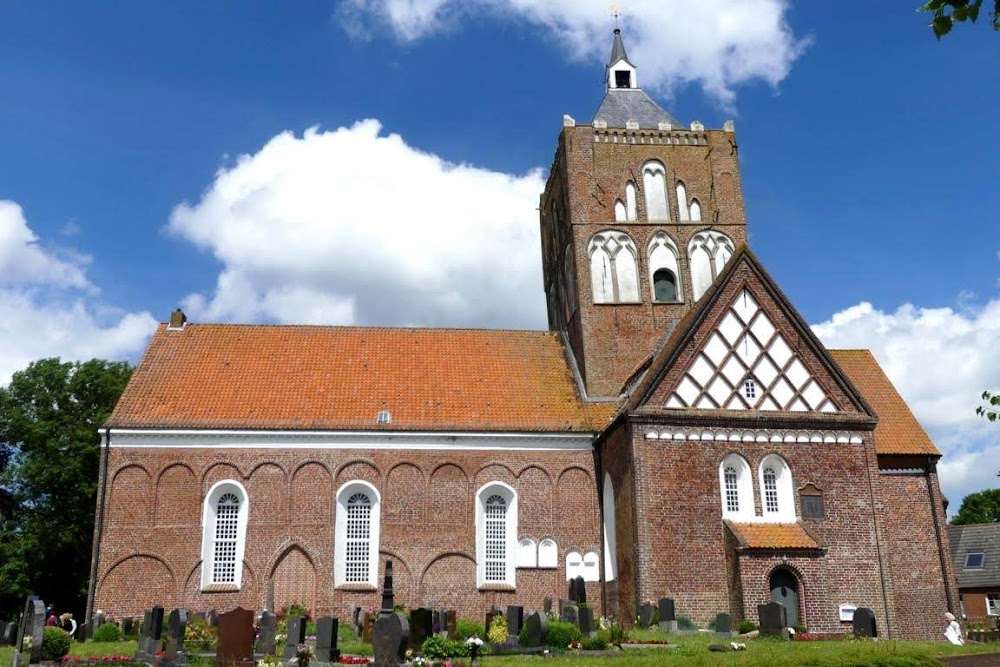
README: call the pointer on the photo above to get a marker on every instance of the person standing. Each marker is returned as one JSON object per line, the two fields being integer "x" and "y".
{"x": 953, "y": 631}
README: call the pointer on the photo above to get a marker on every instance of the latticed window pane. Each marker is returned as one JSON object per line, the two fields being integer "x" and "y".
{"x": 732, "y": 495}
{"x": 496, "y": 538}
{"x": 227, "y": 522}
{"x": 770, "y": 490}
{"x": 359, "y": 529}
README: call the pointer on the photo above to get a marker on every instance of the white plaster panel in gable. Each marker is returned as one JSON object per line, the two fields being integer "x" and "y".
{"x": 745, "y": 306}
{"x": 762, "y": 329}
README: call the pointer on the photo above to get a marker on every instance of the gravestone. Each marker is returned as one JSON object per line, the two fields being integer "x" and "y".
{"x": 645, "y": 615}
{"x": 723, "y": 624}
{"x": 296, "y": 629}
{"x": 547, "y": 605}
{"x": 421, "y": 626}
{"x": 388, "y": 600}
{"x": 578, "y": 591}
{"x": 668, "y": 617}
{"x": 535, "y": 627}
{"x": 451, "y": 623}
{"x": 213, "y": 618}
{"x": 356, "y": 620}
{"x": 437, "y": 621}
{"x": 772, "y": 618}
{"x": 152, "y": 635}
{"x": 9, "y": 634}
{"x": 587, "y": 621}
{"x": 390, "y": 639}
{"x": 326, "y": 639}
{"x": 176, "y": 625}
{"x": 128, "y": 627}
{"x": 366, "y": 628}
{"x": 268, "y": 630}
{"x": 32, "y": 625}
{"x": 270, "y": 596}
{"x": 515, "y": 620}
{"x": 569, "y": 614}
{"x": 864, "y": 622}
{"x": 235, "y": 638}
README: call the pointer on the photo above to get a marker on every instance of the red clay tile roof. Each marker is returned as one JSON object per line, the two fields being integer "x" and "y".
{"x": 772, "y": 536}
{"x": 898, "y": 431}
{"x": 304, "y": 378}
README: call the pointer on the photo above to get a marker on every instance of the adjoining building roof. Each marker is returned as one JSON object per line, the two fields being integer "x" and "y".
{"x": 898, "y": 431}
{"x": 772, "y": 536}
{"x": 621, "y": 105}
{"x": 976, "y": 539}
{"x": 269, "y": 377}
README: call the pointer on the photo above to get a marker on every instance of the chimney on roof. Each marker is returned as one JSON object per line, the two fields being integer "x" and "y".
{"x": 177, "y": 319}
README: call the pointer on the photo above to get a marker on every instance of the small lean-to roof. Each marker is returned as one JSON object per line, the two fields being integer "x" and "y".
{"x": 270, "y": 377}
{"x": 772, "y": 536}
{"x": 898, "y": 431}
{"x": 976, "y": 538}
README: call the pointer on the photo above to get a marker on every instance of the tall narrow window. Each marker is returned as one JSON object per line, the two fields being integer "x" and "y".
{"x": 496, "y": 534}
{"x": 664, "y": 272}
{"x": 496, "y": 539}
{"x": 613, "y": 273}
{"x": 695, "y": 211}
{"x": 682, "y": 205}
{"x": 770, "y": 490}
{"x": 736, "y": 487}
{"x": 777, "y": 494}
{"x": 664, "y": 285}
{"x": 708, "y": 252}
{"x": 356, "y": 535}
{"x": 630, "y": 211}
{"x": 619, "y": 211}
{"x": 732, "y": 494}
{"x": 224, "y": 529}
{"x": 610, "y": 534}
{"x": 655, "y": 186}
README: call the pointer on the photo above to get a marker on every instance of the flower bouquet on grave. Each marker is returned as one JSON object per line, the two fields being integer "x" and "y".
{"x": 303, "y": 655}
{"x": 269, "y": 661}
{"x": 474, "y": 643}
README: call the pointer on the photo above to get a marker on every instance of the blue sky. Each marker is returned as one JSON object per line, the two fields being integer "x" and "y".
{"x": 158, "y": 154}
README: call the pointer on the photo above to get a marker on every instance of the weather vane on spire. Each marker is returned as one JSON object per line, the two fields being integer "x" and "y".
{"x": 616, "y": 12}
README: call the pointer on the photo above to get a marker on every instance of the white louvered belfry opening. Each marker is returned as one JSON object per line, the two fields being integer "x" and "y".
{"x": 732, "y": 492}
{"x": 227, "y": 512}
{"x": 358, "y": 538}
{"x": 496, "y": 538}
{"x": 770, "y": 490}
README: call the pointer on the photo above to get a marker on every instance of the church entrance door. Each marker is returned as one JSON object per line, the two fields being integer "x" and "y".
{"x": 785, "y": 591}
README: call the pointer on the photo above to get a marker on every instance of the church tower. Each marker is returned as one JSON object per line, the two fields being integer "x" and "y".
{"x": 638, "y": 217}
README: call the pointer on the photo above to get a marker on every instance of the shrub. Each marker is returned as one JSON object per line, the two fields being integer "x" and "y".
{"x": 498, "y": 630}
{"x": 55, "y": 643}
{"x": 559, "y": 634}
{"x": 597, "y": 643}
{"x": 746, "y": 626}
{"x": 109, "y": 632}
{"x": 439, "y": 648}
{"x": 465, "y": 629}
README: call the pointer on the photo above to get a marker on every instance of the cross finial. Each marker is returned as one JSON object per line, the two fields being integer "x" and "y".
{"x": 616, "y": 12}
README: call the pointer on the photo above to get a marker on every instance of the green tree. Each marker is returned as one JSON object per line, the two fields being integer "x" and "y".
{"x": 949, "y": 12}
{"x": 991, "y": 410}
{"x": 49, "y": 419}
{"x": 979, "y": 507}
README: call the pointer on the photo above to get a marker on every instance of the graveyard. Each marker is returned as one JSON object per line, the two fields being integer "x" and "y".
{"x": 563, "y": 632}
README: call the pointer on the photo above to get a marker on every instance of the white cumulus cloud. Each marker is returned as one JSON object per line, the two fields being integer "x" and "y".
{"x": 353, "y": 226}
{"x": 718, "y": 44}
{"x": 941, "y": 360}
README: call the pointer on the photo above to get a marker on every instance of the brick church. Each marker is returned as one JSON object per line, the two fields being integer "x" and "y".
{"x": 679, "y": 431}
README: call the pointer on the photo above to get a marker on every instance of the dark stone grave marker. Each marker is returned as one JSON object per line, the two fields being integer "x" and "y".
{"x": 235, "y": 638}
{"x": 864, "y": 622}
{"x": 213, "y": 618}
{"x": 645, "y": 615}
{"x": 268, "y": 630}
{"x": 534, "y": 627}
{"x": 9, "y": 633}
{"x": 296, "y": 635}
{"x": 569, "y": 614}
{"x": 326, "y": 639}
{"x": 547, "y": 605}
{"x": 128, "y": 627}
{"x": 176, "y": 625}
{"x": 587, "y": 621}
{"x": 772, "y": 618}
{"x": 723, "y": 624}
{"x": 388, "y": 599}
{"x": 578, "y": 591}
{"x": 668, "y": 617}
{"x": 515, "y": 620}
{"x": 421, "y": 626}
{"x": 32, "y": 625}
{"x": 390, "y": 639}
{"x": 152, "y": 634}
{"x": 356, "y": 619}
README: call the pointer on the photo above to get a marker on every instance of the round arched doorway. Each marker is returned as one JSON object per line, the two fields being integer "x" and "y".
{"x": 785, "y": 591}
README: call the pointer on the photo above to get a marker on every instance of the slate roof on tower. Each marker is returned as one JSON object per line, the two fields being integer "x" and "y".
{"x": 621, "y": 105}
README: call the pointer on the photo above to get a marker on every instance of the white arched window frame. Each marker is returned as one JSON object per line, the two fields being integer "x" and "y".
{"x": 527, "y": 553}
{"x": 574, "y": 565}
{"x": 695, "y": 210}
{"x": 548, "y": 553}
{"x": 631, "y": 213}
{"x": 777, "y": 492}
{"x": 613, "y": 273}
{"x": 224, "y": 532}
{"x": 654, "y": 185}
{"x": 682, "y": 198}
{"x": 496, "y": 534}
{"x": 620, "y": 211}
{"x": 610, "y": 534}
{"x": 736, "y": 486}
{"x": 663, "y": 254}
{"x": 356, "y": 535}
{"x": 708, "y": 253}
{"x": 591, "y": 566}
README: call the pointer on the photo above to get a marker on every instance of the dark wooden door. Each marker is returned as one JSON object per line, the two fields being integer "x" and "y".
{"x": 785, "y": 591}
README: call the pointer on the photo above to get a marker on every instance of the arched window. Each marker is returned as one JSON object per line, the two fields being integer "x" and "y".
{"x": 574, "y": 565}
{"x": 224, "y": 531}
{"x": 737, "y": 488}
{"x": 496, "y": 534}
{"x": 630, "y": 207}
{"x": 663, "y": 268}
{"x": 654, "y": 184}
{"x": 620, "y": 211}
{"x": 548, "y": 553}
{"x": 695, "y": 211}
{"x": 527, "y": 555}
{"x": 682, "y": 198}
{"x": 708, "y": 253}
{"x": 356, "y": 534}
{"x": 777, "y": 495}
{"x": 613, "y": 273}
{"x": 610, "y": 536}
{"x": 591, "y": 566}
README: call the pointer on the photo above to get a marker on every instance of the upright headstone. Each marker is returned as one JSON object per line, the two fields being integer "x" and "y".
{"x": 9, "y": 633}
{"x": 235, "y": 638}
{"x": 723, "y": 624}
{"x": 213, "y": 618}
{"x": 864, "y": 622}
{"x": 128, "y": 627}
{"x": 357, "y": 620}
{"x": 268, "y": 629}
{"x": 390, "y": 639}
{"x": 326, "y": 639}
{"x": 515, "y": 620}
{"x": 547, "y": 605}
{"x": 772, "y": 618}
{"x": 388, "y": 599}
{"x": 535, "y": 627}
{"x": 668, "y": 617}
{"x": 645, "y": 615}
{"x": 152, "y": 634}
{"x": 570, "y": 614}
{"x": 586, "y": 615}
{"x": 296, "y": 631}
{"x": 270, "y": 595}
{"x": 174, "y": 655}
{"x": 421, "y": 626}
{"x": 581, "y": 591}
{"x": 29, "y": 652}
{"x": 451, "y": 622}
